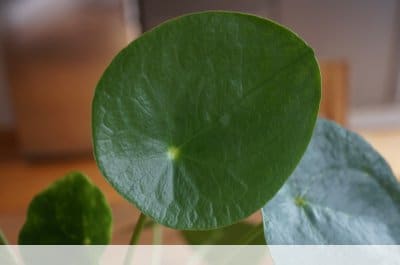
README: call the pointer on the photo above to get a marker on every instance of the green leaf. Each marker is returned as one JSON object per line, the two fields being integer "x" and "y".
{"x": 200, "y": 121}
{"x": 3, "y": 240}
{"x": 72, "y": 211}
{"x": 238, "y": 234}
{"x": 342, "y": 192}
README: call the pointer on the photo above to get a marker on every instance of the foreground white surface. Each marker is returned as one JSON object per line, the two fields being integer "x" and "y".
{"x": 199, "y": 255}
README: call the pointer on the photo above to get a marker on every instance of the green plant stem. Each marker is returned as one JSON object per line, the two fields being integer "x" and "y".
{"x": 157, "y": 234}
{"x": 3, "y": 240}
{"x": 157, "y": 240}
{"x": 138, "y": 230}
{"x": 245, "y": 240}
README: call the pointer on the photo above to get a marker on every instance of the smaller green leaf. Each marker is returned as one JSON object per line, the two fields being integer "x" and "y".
{"x": 238, "y": 234}
{"x": 72, "y": 211}
{"x": 342, "y": 192}
{"x": 3, "y": 240}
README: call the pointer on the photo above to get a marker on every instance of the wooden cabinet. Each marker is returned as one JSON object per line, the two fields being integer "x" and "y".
{"x": 52, "y": 71}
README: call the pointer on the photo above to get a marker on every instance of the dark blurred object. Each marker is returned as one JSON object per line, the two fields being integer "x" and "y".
{"x": 54, "y": 58}
{"x": 154, "y": 12}
{"x": 334, "y": 100}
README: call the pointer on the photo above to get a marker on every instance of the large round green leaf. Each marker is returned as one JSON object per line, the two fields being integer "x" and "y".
{"x": 200, "y": 121}
{"x": 342, "y": 192}
{"x": 72, "y": 211}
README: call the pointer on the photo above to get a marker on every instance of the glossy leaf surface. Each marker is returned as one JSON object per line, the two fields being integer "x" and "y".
{"x": 342, "y": 192}
{"x": 238, "y": 234}
{"x": 200, "y": 121}
{"x": 72, "y": 211}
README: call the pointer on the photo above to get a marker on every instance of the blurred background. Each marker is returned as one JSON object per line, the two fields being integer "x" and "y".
{"x": 52, "y": 52}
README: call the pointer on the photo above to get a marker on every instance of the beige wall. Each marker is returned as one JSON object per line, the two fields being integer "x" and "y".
{"x": 359, "y": 31}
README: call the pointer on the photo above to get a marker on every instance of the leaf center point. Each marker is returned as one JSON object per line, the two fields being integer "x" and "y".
{"x": 173, "y": 153}
{"x": 300, "y": 201}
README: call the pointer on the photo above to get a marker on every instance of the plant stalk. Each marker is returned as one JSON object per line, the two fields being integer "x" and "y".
{"x": 157, "y": 234}
{"x": 157, "y": 241}
{"x": 251, "y": 235}
{"x": 138, "y": 230}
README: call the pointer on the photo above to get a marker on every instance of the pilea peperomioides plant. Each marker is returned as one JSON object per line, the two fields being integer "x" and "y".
{"x": 199, "y": 123}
